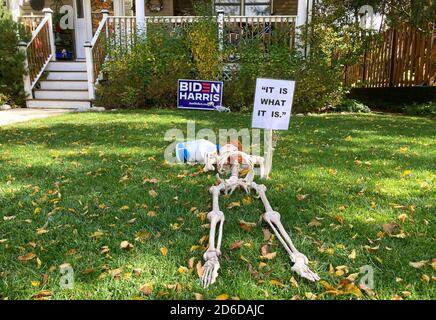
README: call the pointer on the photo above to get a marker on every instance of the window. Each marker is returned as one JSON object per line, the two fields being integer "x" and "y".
{"x": 244, "y": 7}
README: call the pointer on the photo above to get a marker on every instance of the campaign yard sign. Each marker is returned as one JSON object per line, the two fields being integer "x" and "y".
{"x": 272, "y": 104}
{"x": 199, "y": 94}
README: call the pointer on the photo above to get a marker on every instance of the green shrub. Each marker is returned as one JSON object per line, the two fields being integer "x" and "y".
{"x": 318, "y": 86}
{"x": 351, "y": 105}
{"x": 147, "y": 74}
{"x": 126, "y": 79}
{"x": 420, "y": 109}
{"x": 11, "y": 60}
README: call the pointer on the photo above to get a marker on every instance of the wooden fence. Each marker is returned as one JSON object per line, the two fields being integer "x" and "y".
{"x": 403, "y": 57}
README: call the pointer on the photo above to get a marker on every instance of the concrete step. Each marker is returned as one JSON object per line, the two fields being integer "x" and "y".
{"x": 66, "y": 66}
{"x": 62, "y": 94}
{"x": 63, "y": 85}
{"x": 58, "y": 104}
{"x": 67, "y": 75}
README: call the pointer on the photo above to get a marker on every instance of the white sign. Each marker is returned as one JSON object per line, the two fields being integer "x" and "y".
{"x": 273, "y": 104}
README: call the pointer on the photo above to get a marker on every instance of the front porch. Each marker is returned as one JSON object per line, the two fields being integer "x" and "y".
{"x": 70, "y": 84}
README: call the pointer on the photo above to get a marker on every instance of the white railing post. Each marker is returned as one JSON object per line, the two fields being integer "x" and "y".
{"x": 26, "y": 77}
{"x": 49, "y": 13}
{"x": 220, "y": 18}
{"x": 141, "y": 23}
{"x": 90, "y": 70}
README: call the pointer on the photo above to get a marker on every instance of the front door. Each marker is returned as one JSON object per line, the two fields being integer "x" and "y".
{"x": 82, "y": 26}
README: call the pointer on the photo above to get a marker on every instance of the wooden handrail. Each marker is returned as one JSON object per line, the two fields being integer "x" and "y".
{"x": 39, "y": 50}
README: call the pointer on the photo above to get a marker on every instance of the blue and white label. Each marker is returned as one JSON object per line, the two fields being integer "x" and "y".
{"x": 199, "y": 94}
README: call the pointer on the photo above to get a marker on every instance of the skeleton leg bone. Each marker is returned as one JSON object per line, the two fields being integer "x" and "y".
{"x": 211, "y": 256}
{"x": 273, "y": 219}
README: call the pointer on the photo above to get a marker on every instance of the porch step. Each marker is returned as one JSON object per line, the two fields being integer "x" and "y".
{"x": 62, "y": 94}
{"x": 58, "y": 104}
{"x": 66, "y": 66}
{"x": 67, "y": 75}
{"x": 63, "y": 85}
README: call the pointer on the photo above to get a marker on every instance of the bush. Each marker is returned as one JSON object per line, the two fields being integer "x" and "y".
{"x": 318, "y": 86}
{"x": 147, "y": 74}
{"x": 422, "y": 109}
{"x": 351, "y": 105}
{"x": 11, "y": 60}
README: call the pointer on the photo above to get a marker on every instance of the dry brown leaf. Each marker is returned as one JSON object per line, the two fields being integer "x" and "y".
{"x": 27, "y": 256}
{"x": 389, "y": 227}
{"x": 246, "y": 226}
{"x": 269, "y": 256}
{"x": 191, "y": 263}
{"x": 146, "y": 289}
{"x": 44, "y": 294}
{"x": 265, "y": 250}
{"x": 199, "y": 269}
{"x": 314, "y": 223}
{"x": 266, "y": 235}
{"x": 236, "y": 245}
{"x": 301, "y": 197}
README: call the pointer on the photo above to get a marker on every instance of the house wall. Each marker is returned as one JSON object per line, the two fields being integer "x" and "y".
{"x": 285, "y": 7}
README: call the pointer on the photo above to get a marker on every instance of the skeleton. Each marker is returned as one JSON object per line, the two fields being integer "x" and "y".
{"x": 231, "y": 158}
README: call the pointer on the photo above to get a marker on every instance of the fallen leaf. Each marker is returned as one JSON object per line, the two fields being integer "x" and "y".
{"x": 152, "y": 193}
{"x": 125, "y": 207}
{"x": 246, "y": 226}
{"x": 314, "y": 223}
{"x": 8, "y": 218}
{"x": 126, "y": 245}
{"x": 266, "y": 235}
{"x": 233, "y": 205}
{"x": 275, "y": 282}
{"x": 236, "y": 245}
{"x": 269, "y": 256}
{"x": 389, "y": 227}
{"x": 352, "y": 255}
{"x": 27, "y": 256}
{"x": 42, "y": 295}
{"x": 402, "y": 217}
{"x": 222, "y": 297}
{"x": 294, "y": 282}
{"x": 191, "y": 263}
{"x": 348, "y": 138}
{"x": 310, "y": 295}
{"x": 164, "y": 251}
{"x": 418, "y": 264}
{"x": 301, "y": 197}
{"x": 97, "y": 234}
{"x": 146, "y": 289}
{"x": 151, "y": 213}
{"x": 199, "y": 269}
{"x": 198, "y": 296}
{"x": 182, "y": 269}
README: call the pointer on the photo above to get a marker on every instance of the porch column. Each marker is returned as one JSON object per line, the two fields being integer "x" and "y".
{"x": 119, "y": 8}
{"x": 140, "y": 15}
{"x": 303, "y": 18}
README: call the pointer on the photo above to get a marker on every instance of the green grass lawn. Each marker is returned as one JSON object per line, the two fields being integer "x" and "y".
{"x": 72, "y": 189}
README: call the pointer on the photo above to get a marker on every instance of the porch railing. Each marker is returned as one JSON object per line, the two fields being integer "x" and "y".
{"x": 39, "y": 51}
{"x": 30, "y": 22}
